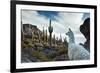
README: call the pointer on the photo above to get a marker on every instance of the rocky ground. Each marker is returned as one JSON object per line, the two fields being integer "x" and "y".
{"x": 43, "y": 55}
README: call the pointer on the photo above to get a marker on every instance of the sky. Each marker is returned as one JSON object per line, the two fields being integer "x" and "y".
{"x": 61, "y": 22}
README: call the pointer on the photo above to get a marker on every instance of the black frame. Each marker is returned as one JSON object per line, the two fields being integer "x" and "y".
{"x": 13, "y": 36}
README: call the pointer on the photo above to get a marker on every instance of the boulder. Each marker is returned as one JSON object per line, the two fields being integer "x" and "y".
{"x": 85, "y": 30}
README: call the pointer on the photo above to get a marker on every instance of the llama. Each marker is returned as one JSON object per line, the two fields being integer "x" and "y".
{"x": 76, "y": 51}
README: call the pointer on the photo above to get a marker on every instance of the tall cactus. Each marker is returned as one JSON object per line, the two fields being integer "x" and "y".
{"x": 50, "y": 28}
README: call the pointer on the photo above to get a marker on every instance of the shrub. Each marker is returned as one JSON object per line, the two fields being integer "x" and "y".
{"x": 52, "y": 55}
{"x": 40, "y": 56}
{"x": 23, "y": 45}
{"x": 62, "y": 51}
{"x": 30, "y": 45}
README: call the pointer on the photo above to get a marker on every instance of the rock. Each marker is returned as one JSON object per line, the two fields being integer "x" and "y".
{"x": 26, "y": 55}
{"x": 25, "y": 60}
{"x": 34, "y": 59}
{"x": 49, "y": 50}
{"x": 63, "y": 57}
{"x": 85, "y": 30}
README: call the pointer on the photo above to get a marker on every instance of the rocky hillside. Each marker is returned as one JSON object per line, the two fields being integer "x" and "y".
{"x": 35, "y": 46}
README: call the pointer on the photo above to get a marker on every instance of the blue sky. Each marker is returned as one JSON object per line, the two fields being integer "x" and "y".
{"x": 61, "y": 21}
{"x": 49, "y": 14}
{"x": 86, "y": 15}
{"x": 52, "y": 14}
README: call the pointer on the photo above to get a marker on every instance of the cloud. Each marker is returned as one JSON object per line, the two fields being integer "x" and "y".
{"x": 71, "y": 20}
{"x": 63, "y": 21}
{"x": 32, "y": 17}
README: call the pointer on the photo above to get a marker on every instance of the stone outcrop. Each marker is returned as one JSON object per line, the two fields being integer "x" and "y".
{"x": 85, "y": 30}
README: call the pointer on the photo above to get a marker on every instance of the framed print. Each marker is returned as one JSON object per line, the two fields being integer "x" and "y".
{"x": 52, "y": 36}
